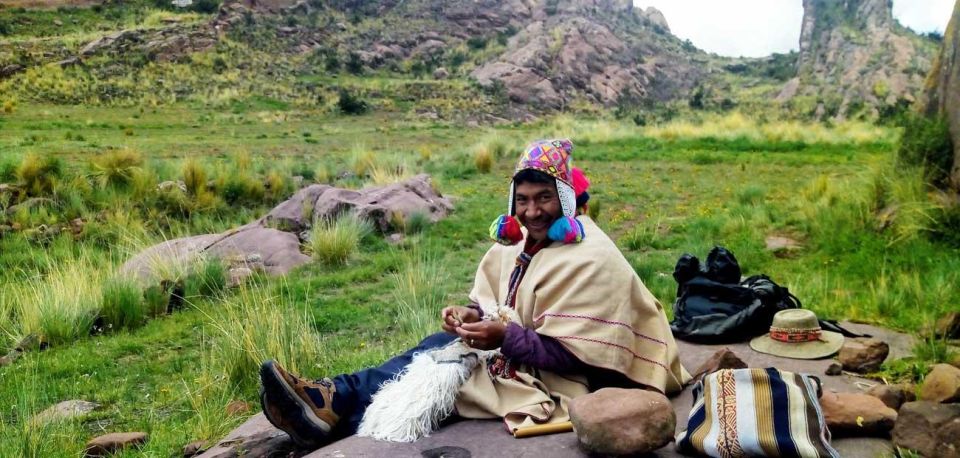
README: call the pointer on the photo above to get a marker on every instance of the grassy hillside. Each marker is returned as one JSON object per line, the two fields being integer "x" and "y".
{"x": 659, "y": 190}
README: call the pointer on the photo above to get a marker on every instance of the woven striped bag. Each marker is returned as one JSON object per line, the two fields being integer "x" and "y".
{"x": 756, "y": 412}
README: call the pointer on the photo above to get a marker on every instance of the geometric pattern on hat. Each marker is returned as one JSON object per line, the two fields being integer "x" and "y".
{"x": 554, "y": 158}
{"x": 796, "y": 333}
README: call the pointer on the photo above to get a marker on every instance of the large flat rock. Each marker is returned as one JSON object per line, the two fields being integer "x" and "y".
{"x": 472, "y": 438}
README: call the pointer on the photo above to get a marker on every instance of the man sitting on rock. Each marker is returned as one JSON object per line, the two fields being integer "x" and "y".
{"x": 554, "y": 296}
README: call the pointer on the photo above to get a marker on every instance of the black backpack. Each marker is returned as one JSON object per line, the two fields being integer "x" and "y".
{"x": 714, "y": 306}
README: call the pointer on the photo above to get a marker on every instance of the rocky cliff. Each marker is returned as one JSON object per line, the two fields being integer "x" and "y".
{"x": 942, "y": 91}
{"x": 599, "y": 51}
{"x": 854, "y": 54}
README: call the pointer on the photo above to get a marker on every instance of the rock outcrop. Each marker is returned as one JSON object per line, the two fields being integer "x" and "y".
{"x": 272, "y": 243}
{"x": 942, "y": 89}
{"x": 601, "y": 50}
{"x": 854, "y": 53}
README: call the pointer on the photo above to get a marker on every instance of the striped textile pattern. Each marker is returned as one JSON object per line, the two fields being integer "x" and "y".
{"x": 756, "y": 413}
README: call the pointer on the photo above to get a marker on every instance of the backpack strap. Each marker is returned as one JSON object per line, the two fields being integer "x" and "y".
{"x": 832, "y": 325}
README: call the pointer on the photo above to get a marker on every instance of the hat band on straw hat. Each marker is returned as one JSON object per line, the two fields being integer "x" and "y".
{"x": 794, "y": 335}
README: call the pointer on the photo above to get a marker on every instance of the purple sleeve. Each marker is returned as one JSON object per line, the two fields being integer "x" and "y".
{"x": 543, "y": 352}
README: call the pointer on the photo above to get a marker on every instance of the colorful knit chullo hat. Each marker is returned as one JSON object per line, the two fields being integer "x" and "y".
{"x": 553, "y": 158}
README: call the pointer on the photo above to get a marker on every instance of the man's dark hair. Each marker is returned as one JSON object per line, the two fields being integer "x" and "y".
{"x": 536, "y": 176}
{"x": 533, "y": 176}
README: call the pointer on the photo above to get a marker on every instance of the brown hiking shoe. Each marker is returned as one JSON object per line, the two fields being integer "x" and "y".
{"x": 301, "y": 408}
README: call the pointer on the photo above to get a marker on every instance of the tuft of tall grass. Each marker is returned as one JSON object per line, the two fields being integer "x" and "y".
{"x": 419, "y": 290}
{"x": 195, "y": 177}
{"x": 122, "y": 305}
{"x": 208, "y": 399}
{"x": 62, "y": 305}
{"x": 256, "y": 325}
{"x": 207, "y": 278}
{"x": 277, "y": 185}
{"x": 333, "y": 242}
{"x": 322, "y": 174}
{"x": 39, "y": 173}
{"x": 362, "y": 160}
{"x": 117, "y": 167}
{"x": 384, "y": 174}
{"x": 483, "y": 159}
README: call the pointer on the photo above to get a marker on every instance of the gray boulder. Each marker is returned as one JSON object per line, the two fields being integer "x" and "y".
{"x": 279, "y": 250}
{"x": 256, "y": 437}
{"x": 295, "y": 214}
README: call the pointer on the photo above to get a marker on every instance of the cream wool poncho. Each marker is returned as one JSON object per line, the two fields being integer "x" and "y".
{"x": 587, "y": 296}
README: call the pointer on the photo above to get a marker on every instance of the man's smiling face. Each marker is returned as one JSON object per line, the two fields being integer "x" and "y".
{"x": 537, "y": 207}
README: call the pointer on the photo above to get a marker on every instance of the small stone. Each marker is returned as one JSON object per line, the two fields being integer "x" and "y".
{"x": 237, "y": 276}
{"x": 893, "y": 396}
{"x": 623, "y": 421}
{"x": 395, "y": 238}
{"x": 780, "y": 245}
{"x": 440, "y": 73}
{"x": 722, "y": 359}
{"x": 856, "y": 414}
{"x": 109, "y": 443}
{"x": 57, "y": 22}
{"x": 863, "y": 354}
{"x": 929, "y": 428}
{"x": 948, "y": 326}
{"x": 834, "y": 369}
{"x": 237, "y": 407}
{"x": 65, "y": 410}
{"x": 194, "y": 448}
{"x": 942, "y": 384}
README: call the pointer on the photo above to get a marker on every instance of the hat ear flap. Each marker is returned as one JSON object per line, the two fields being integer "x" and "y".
{"x": 566, "y": 230}
{"x": 505, "y": 230}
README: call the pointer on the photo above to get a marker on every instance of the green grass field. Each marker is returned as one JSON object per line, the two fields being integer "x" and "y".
{"x": 659, "y": 191}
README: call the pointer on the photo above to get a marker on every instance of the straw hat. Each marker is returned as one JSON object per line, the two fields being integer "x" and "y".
{"x": 796, "y": 333}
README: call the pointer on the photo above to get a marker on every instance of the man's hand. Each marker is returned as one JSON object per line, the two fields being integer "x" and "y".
{"x": 485, "y": 335}
{"x": 455, "y": 316}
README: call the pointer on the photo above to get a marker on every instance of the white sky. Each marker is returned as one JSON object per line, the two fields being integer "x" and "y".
{"x": 757, "y": 28}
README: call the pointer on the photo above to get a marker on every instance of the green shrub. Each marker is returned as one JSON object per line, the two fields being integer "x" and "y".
{"x": 333, "y": 242}
{"x": 926, "y": 143}
{"x": 122, "y": 305}
{"x": 351, "y": 104}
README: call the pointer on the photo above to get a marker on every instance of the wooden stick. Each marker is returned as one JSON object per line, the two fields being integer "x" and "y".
{"x": 542, "y": 430}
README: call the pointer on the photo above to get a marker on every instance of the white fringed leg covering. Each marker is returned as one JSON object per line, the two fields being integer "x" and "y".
{"x": 413, "y": 403}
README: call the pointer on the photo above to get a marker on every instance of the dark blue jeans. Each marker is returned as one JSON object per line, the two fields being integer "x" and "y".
{"x": 355, "y": 390}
